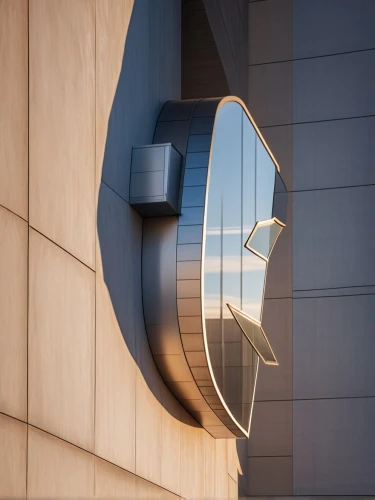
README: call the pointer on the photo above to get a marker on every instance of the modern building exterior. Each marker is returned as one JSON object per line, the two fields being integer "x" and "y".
{"x": 84, "y": 407}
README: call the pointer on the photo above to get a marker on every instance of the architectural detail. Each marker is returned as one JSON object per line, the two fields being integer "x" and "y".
{"x": 204, "y": 269}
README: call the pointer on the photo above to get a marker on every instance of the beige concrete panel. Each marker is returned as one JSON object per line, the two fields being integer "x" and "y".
{"x": 192, "y": 458}
{"x": 270, "y": 94}
{"x": 14, "y": 106}
{"x": 276, "y": 382}
{"x": 270, "y": 31}
{"x": 13, "y": 314}
{"x": 61, "y": 343}
{"x": 57, "y": 469}
{"x": 148, "y": 432}
{"x": 209, "y": 466}
{"x": 270, "y": 476}
{"x": 113, "y": 482}
{"x": 115, "y": 387}
{"x": 221, "y": 478}
{"x": 170, "y": 442}
{"x": 232, "y": 489}
{"x": 62, "y": 124}
{"x": 232, "y": 459}
{"x": 112, "y": 22}
{"x": 271, "y": 429}
{"x": 13, "y": 446}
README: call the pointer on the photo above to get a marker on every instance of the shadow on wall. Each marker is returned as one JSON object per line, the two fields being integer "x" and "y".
{"x": 132, "y": 120}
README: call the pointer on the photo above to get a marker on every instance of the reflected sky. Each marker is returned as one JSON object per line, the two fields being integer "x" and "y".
{"x": 240, "y": 193}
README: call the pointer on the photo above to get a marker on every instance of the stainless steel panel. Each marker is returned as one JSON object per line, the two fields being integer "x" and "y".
{"x": 189, "y": 234}
{"x": 188, "y": 288}
{"x": 147, "y": 185}
{"x": 164, "y": 339}
{"x": 188, "y": 270}
{"x": 192, "y": 342}
{"x": 189, "y": 307}
{"x": 191, "y": 324}
{"x": 196, "y": 358}
{"x": 207, "y": 107}
{"x": 338, "y": 433}
{"x": 174, "y": 132}
{"x": 191, "y": 216}
{"x": 197, "y": 160}
{"x": 198, "y": 406}
{"x": 219, "y": 432}
{"x": 189, "y": 252}
{"x": 159, "y": 277}
{"x": 208, "y": 418}
{"x": 185, "y": 390}
{"x": 201, "y": 374}
{"x": 199, "y": 143}
{"x": 334, "y": 87}
{"x": 195, "y": 177}
{"x": 193, "y": 196}
{"x": 203, "y": 125}
{"x": 174, "y": 368}
{"x": 177, "y": 110}
{"x": 148, "y": 158}
{"x": 337, "y": 331}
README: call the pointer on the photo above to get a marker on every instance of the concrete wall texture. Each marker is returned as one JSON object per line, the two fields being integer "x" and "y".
{"x": 83, "y": 410}
{"x": 311, "y": 81}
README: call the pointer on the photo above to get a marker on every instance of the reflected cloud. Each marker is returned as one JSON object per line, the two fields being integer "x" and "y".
{"x": 232, "y": 264}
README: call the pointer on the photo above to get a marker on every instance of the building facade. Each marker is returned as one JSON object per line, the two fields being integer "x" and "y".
{"x": 84, "y": 411}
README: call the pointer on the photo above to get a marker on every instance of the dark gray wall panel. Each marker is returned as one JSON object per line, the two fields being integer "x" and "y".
{"x": 270, "y": 476}
{"x": 271, "y": 429}
{"x": 343, "y": 26}
{"x": 275, "y": 382}
{"x": 333, "y": 87}
{"x": 333, "y": 154}
{"x": 334, "y": 447}
{"x": 270, "y": 31}
{"x": 279, "y": 140}
{"x": 270, "y": 94}
{"x": 333, "y": 347}
{"x": 333, "y": 238}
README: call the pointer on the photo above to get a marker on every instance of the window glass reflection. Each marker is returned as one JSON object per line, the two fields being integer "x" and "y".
{"x": 240, "y": 193}
{"x": 264, "y": 238}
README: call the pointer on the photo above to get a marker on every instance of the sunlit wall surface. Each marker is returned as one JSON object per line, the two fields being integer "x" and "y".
{"x": 241, "y": 192}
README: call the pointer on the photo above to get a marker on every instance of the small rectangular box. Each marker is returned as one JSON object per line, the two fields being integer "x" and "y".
{"x": 155, "y": 180}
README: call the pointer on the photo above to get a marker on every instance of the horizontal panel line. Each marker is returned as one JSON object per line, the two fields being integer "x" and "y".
{"x": 14, "y": 213}
{"x": 317, "y": 121}
{"x": 87, "y": 451}
{"x": 62, "y": 248}
{"x": 331, "y": 288}
{"x": 334, "y": 296}
{"x": 312, "y": 57}
{"x": 311, "y": 399}
{"x": 270, "y": 456}
{"x": 330, "y": 188}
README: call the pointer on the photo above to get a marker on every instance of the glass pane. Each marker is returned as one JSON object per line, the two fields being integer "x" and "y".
{"x": 240, "y": 193}
{"x": 264, "y": 237}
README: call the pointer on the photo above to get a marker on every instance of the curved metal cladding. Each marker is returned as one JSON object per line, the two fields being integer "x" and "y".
{"x": 204, "y": 271}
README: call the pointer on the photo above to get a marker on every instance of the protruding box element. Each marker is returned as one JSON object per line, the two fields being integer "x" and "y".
{"x": 155, "y": 180}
